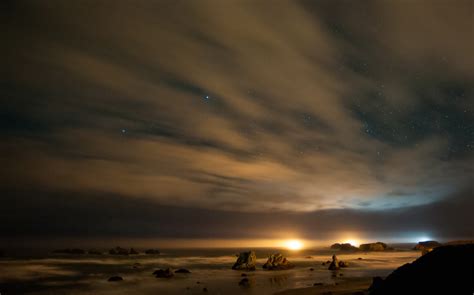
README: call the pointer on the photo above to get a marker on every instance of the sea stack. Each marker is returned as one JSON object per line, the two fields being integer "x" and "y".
{"x": 245, "y": 261}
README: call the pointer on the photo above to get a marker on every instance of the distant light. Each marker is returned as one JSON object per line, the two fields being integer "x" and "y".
{"x": 424, "y": 239}
{"x": 124, "y": 130}
{"x": 294, "y": 245}
{"x": 353, "y": 242}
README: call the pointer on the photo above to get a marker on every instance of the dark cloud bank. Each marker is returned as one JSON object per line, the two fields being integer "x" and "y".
{"x": 230, "y": 119}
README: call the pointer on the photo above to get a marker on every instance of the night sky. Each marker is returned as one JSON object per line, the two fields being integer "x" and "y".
{"x": 237, "y": 119}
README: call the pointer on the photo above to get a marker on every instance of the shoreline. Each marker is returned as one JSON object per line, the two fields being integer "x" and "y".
{"x": 352, "y": 285}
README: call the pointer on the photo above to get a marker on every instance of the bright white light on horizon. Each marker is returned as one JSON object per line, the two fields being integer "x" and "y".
{"x": 294, "y": 244}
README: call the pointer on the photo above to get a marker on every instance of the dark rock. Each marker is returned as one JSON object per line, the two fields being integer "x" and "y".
{"x": 341, "y": 274}
{"x": 243, "y": 275}
{"x": 136, "y": 265}
{"x": 163, "y": 273}
{"x": 334, "y": 264}
{"x": 324, "y": 263}
{"x": 376, "y": 283}
{"x": 360, "y": 258}
{"x": 343, "y": 264}
{"x": 245, "y": 261}
{"x": 344, "y": 247}
{"x": 198, "y": 282}
{"x": 115, "y": 279}
{"x": 378, "y": 246}
{"x": 311, "y": 269}
{"x": 182, "y": 270}
{"x": 244, "y": 282}
{"x": 152, "y": 252}
{"x": 70, "y": 251}
{"x": 277, "y": 262}
{"x": 444, "y": 268}
{"x": 317, "y": 284}
{"x": 133, "y": 252}
{"x": 309, "y": 257}
{"x": 204, "y": 289}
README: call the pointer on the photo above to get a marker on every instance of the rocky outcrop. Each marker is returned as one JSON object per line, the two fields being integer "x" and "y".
{"x": 245, "y": 261}
{"x": 245, "y": 282}
{"x": 133, "y": 252}
{"x": 277, "y": 262}
{"x": 344, "y": 247}
{"x": 378, "y": 246}
{"x": 447, "y": 268}
{"x": 426, "y": 246}
{"x": 182, "y": 270}
{"x": 115, "y": 279}
{"x": 163, "y": 273}
{"x": 152, "y": 252}
{"x": 70, "y": 251}
{"x": 337, "y": 264}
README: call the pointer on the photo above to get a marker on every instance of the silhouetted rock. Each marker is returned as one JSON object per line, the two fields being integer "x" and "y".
{"x": 133, "y": 252}
{"x": 245, "y": 261}
{"x": 426, "y": 246}
{"x": 444, "y": 268}
{"x": 344, "y": 247}
{"x": 115, "y": 279}
{"x": 245, "y": 282}
{"x": 118, "y": 251}
{"x": 182, "y": 270}
{"x": 204, "y": 289}
{"x": 311, "y": 269}
{"x": 243, "y": 275}
{"x": 318, "y": 284}
{"x": 378, "y": 246}
{"x": 277, "y": 262}
{"x": 136, "y": 265}
{"x": 163, "y": 273}
{"x": 70, "y": 251}
{"x": 334, "y": 263}
{"x": 152, "y": 252}
{"x": 360, "y": 258}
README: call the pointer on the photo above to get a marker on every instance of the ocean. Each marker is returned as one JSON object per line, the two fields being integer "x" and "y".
{"x": 211, "y": 273}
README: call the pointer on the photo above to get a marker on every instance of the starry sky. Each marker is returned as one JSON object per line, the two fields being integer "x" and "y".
{"x": 237, "y": 119}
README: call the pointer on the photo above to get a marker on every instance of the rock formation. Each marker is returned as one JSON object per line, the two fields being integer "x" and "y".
{"x": 133, "y": 252}
{"x": 426, "y": 246}
{"x": 118, "y": 251}
{"x": 378, "y": 246}
{"x": 245, "y": 261}
{"x": 334, "y": 263}
{"x": 277, "y": 262}
{"x": 115, "y": 279}
{"x": 446, "y": 269}
{"x": 344, "y": 247}
{"x": 182, "y": 270}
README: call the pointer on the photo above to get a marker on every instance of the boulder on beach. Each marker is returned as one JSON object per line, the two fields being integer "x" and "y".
{"x": 277, "y": 262}
{"x": 152, "y": 252}
{"x": 344, "y": 247}
{"x": 378, "y": 246}
{"x": 115, "y": 279}
{"x": 245, "y": 261}
{"x": 447, "y": 268}
{"x": 182, "y": 270}
{"x": 70, "y": 251}
{"x": 163, "y": 273}
{"x": 133, "y": 252}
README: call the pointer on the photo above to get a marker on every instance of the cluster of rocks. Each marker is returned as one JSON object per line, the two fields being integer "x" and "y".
{"x": 377, "y": 246}
{"x": 247, "y": 261}
{"x": 277, "y": 262}
{"x": 168, "y": 272}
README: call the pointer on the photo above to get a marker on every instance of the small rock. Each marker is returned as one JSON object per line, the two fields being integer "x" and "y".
{"x": 311, "y": 269}
{"x": 360, "y": 258}
{"x": 115, "y": 279}
{"x": 152, "y": 252}
{"x": 163, "y": 273}
{"x": 182, "y": 270}
{"x": 133, "y": 252}
{"x": 317, "y": 284}
{"x": 243, "y": 275}
{"x": 204, "y": 289}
